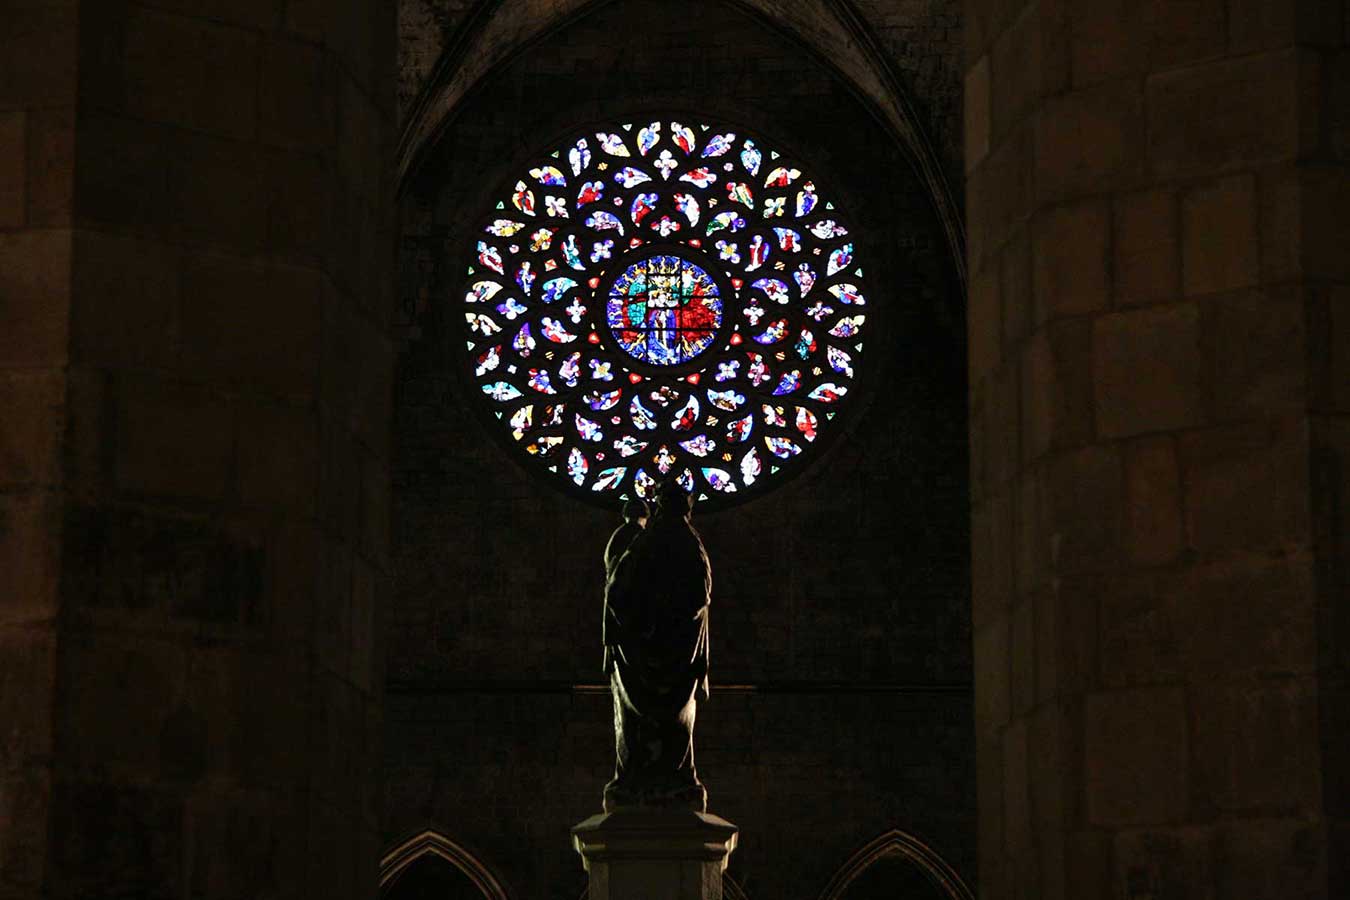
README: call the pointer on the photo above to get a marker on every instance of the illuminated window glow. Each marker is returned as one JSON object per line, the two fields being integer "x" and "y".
{"x": 664, "y": 300}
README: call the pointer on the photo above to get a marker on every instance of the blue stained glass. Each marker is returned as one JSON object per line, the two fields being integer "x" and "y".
{"x": 664, "y": 310}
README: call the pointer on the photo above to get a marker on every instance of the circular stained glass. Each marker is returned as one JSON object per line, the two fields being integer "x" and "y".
{"x": 664, "y": 310}
{"x": 665, "y": 300}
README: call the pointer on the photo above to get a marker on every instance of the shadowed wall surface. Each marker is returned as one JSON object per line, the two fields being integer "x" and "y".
{"x": 431, "y": 878}
{"x": 890, "y": 878}
{"x": 194, "y": 410}
{"x": 1158, "y": 420}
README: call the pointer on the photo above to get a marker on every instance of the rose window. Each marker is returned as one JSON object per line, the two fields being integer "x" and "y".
{"x": 665, "y": 301}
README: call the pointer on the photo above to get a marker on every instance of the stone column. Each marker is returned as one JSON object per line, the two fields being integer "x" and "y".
{"x": 194, "y": 416}
{"x": 655, "y": 854}
{"x": 1159, "y": 357}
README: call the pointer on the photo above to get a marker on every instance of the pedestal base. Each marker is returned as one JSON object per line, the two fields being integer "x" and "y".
{"x": 635, "y": 853}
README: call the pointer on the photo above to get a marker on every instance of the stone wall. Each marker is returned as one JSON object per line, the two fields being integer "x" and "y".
{"x": 1157, "y": 367}
{"x": 425, "y": 28}
{"x": 37, "y": 111}
{"x": 194, "y": 301}
{"x": 918, "y": 44}
{"x": 840, "y": 610}
{"x": 922, "y": 42}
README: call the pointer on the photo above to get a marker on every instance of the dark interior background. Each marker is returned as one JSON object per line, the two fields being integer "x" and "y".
{"x": 841, "y": 632}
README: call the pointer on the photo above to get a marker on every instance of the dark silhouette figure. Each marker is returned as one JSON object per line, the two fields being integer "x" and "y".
{"x": 656, "y": 654}
{"x": 635, "y": 515}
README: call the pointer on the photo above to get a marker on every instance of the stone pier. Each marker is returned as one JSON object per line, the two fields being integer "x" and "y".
{"x": 655, "y": 854}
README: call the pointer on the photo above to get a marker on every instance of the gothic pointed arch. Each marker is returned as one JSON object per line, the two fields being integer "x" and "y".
{"x": 434, "y": 844}
{"x": 832, "y": 31}
{"x": 892, "y": 844}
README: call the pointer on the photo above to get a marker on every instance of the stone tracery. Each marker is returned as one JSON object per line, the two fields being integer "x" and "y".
{"x": 665, "y": 300}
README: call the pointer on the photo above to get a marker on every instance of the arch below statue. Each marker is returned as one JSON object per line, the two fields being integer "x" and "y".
{"x": 896, "y": 843}
{"x": 432, "y": 843}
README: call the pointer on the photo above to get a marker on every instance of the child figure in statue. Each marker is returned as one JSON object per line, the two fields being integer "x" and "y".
{"x": 656, "y": 654}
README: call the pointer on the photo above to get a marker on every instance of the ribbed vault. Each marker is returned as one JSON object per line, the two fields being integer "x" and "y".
{"x": 831, "y": 30}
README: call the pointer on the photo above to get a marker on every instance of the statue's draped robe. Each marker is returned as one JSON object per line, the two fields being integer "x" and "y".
{"x": 656, "y": 642}
{"x": 619, "y": 543}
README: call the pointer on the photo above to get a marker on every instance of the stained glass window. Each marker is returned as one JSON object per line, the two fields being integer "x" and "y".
{"x": 664, "y": 310}
{"x": 665, "y": 300}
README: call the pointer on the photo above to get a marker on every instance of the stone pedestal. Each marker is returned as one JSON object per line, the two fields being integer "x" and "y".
{"x": 655, "y": 854}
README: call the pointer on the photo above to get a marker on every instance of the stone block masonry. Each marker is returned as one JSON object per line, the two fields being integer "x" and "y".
{"x": 1177, "y": 525}
{"x": 189, "y": 688}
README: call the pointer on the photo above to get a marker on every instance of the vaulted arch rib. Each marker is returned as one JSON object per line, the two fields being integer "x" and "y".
{"x": 433, "y": 843}
{"x": 898, "y": 843}
{"x": 837, "y": 37}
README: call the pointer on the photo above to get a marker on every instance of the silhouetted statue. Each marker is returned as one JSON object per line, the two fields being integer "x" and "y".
{"x": 656, "y": 654}
{"x": 635, "y": 514}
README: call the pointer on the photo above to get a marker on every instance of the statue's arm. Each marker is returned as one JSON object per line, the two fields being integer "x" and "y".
{"x": 617, "y": 587}
{"x": 604, "y": 632}
{"x": 701, "y": 656}
{"x": 707, "y": 612}
{"x": 611, "y": 626}
{"x": 616, "y": 584}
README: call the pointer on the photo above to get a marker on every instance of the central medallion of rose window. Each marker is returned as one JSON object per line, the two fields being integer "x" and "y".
{"x": 664, "y": 310}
